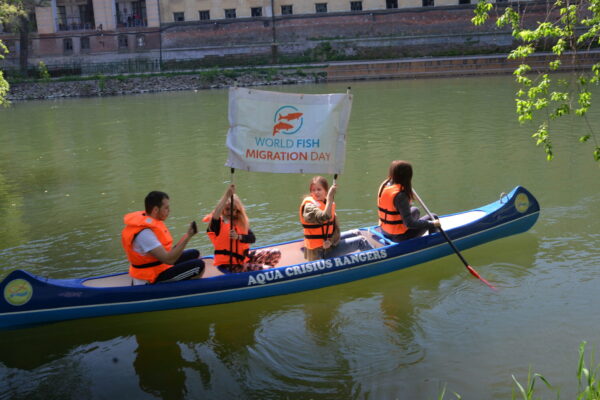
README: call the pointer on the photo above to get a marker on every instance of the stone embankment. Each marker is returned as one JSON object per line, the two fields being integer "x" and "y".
{"x": 333, "y": 71}
{"x": 112, "y": 86}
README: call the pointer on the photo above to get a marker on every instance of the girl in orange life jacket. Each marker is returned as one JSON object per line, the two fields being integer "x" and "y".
{"x": 397, "y": 219}
{"x": 322, "y": 238}
{"x": 232, "y": 243}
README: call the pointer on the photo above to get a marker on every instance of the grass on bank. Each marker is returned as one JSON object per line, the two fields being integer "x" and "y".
{"x": 588, "y": 383}
{"x": 207, "y": 76}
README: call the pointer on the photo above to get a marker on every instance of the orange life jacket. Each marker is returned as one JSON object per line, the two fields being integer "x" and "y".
{"x": 390, "y": 219}
{"x": 316, "y": 234}
{"x": 226, "y": 247}
{"x": 146, "y": 267}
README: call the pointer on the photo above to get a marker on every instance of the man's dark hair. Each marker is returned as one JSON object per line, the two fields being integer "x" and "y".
{"x": 154, "y": 199}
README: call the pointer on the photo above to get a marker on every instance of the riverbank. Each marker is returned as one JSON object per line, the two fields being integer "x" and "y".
{"x": 125, "y": 85}
{"x": 408, "y": 68}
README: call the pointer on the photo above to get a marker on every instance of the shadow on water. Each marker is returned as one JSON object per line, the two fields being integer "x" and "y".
{"x": 314, "y": 344}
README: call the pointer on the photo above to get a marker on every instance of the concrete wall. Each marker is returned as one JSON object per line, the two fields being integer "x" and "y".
{"x": 407, "y": 32}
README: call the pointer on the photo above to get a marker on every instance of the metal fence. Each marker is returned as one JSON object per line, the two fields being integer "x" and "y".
{"x": 137, "y": 66}
{"x": 133, "y": 66}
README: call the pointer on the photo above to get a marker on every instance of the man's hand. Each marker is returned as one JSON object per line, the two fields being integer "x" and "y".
{"x": 193, "y": 229}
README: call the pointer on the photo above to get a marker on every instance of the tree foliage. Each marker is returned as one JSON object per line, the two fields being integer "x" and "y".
{"x": 570, "y": 29}
{"x": 8, "y": 10}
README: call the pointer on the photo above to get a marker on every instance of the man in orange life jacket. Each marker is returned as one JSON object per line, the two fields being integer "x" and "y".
{"x": 149, "y": 245}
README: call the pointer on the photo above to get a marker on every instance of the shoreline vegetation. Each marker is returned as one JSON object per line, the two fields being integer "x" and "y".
{"x": 588, "y": 382}
{"x": 45, "y": 88}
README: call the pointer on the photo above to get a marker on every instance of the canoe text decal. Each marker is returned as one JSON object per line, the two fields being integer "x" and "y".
{"x": 18, "y": 292}
{"x": 320, "y": 265}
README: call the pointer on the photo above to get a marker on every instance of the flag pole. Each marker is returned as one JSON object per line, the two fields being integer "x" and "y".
{"x": 335, "y": 176}
{"x": 231, "y": 225}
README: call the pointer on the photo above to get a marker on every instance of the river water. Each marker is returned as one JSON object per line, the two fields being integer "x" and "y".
{"x": 70, "y": 169}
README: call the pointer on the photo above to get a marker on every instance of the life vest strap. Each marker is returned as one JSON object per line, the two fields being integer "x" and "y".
{"x": 147, "y": 265}
{"x": 230, "y": 253}
{"x": 383, "y": 210}
{"x": 323, "y": 236}
{"x": 391, "y": 222}
{"x": 315, "y": 226}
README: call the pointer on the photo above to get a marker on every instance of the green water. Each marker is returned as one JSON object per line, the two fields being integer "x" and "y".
{"x": 70, "y": 169}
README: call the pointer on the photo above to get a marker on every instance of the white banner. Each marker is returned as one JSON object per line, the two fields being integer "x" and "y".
{"x": 287, "y": 132}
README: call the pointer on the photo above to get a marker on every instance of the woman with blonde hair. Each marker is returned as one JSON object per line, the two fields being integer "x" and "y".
{"x": 230, "y": 233}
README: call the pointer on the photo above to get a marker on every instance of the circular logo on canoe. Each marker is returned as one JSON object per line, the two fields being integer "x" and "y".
{"x": 18, "y": 292}
{"x": 522, "y": 202}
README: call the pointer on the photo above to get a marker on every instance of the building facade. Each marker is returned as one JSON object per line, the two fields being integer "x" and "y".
{"x": 97, "y": 31}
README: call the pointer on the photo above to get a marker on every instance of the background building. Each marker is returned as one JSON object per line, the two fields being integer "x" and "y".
{"x": 86, "y": 34}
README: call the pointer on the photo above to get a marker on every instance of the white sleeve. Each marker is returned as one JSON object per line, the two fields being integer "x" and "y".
{"x": 145, "y": 241}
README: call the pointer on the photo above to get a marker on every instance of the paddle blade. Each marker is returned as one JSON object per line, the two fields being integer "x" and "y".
{"x": 476, "y": 275}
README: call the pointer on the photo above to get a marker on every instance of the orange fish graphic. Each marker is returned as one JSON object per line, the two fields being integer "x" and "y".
{"x": 281, "y": 126}
{"x": 290, "y": 116}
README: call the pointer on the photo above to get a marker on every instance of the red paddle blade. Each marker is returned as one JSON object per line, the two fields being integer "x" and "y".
{"x": 476, "y": 275}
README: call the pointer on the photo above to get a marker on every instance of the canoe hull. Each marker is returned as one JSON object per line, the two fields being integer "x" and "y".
{"x": 29, "y": 299}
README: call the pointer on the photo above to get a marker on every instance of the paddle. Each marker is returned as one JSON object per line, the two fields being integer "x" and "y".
{"x": 471, "y": 269}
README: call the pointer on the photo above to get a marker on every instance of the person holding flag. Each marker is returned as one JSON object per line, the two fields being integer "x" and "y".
{"x": 322, "y": 238}
{"x": 230, "y": 233}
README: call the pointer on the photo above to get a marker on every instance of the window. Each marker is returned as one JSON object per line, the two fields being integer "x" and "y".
{"x": 356, "y": 5}
{"x": 286, "y": 10}
{"x": 204, "y": 15}
{"x": 230, "y": 13}
{"x": 427, "y": 3}
{"x": 321, "y": 7}
{"x": 62, "y": 18}
{"x": 86, "y": 16}
{"x": 68, "y": 45}
{"x": 391, "y": 3}
{"x": 123, "y": 42}
{"x": 140, "y": 40}
{"x": 178, "y": 17}
{"x": 256, "y": 11}
{"x": 84, "y": 43}
{"x": 464, "y": 1}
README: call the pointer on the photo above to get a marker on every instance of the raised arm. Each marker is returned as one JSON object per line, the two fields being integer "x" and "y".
{"x": 170, "y": 257}
{"x": 221, "y": 204}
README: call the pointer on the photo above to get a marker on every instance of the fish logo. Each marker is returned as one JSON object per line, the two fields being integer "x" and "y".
{"x": 18, "y": 292}
{"x": 287, "y": 120}
{"x": 290, "y": 116}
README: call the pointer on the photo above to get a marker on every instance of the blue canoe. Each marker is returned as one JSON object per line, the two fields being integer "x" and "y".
{"x": 28, "y": 299}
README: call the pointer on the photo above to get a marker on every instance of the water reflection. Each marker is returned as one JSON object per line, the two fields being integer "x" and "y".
{"x": 152, "y": 354}
{"x": 271, "y": 348}
{"x": 74, "y": 168}
{"x": 13, "y": 229}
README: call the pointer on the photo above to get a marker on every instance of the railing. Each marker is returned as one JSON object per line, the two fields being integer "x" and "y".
{"x": 76, "y": 26}
{"x": 131, "y": 23}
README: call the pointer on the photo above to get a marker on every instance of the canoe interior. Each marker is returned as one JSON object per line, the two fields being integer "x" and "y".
{"x": 291, "y": 252}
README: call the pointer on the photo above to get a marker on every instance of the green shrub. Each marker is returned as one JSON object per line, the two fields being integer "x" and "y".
{"x": 43, "y": 71}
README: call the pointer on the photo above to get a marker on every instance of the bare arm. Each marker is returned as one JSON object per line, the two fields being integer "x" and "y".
{"x": 330, "y": 199}
{"x": 221, "y": 204}
{"x": 169, "y": 257}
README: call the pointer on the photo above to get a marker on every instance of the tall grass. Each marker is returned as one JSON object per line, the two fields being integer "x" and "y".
{"x": 588, "y": 383}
